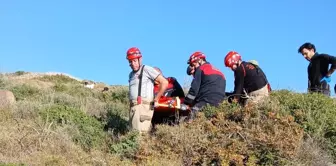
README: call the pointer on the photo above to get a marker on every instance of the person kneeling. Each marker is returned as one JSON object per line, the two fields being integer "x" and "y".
{"x": 249, "y": 79}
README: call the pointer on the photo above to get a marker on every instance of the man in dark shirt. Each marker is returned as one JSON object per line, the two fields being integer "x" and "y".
{"x": 318, "y": 69}
{"x": 207, "y": 87}
{"x": 249, "y": 81}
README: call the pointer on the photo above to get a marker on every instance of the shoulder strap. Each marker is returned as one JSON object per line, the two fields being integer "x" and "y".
{"x": 140, "y": 80}
{"x": 243, "y": 69}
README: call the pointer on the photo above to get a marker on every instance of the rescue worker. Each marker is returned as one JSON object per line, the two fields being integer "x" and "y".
{"x": 249, "y": 80}
{"x": 318, "y": 68}
{"x": 207, "y": 87}
{"x": 174, "y": 89}
{"x": 141, "y": 91}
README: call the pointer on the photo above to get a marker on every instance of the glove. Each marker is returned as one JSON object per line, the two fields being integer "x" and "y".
{"x": 184, "y": 107}
{"x": 326, "y": 79}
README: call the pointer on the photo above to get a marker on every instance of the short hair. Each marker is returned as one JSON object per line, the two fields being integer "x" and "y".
{"x": 308, "y": 46}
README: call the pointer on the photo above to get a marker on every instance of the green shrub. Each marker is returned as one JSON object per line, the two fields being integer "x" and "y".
{"x": 58, "y": 79}
{"x": 2, "y": 82}
{"x": 79, "y": 91}
{"x": 314, "y": 112}
{"x": 126, "y": 146}
{"x": 67, "y": 100}
{"x": 60, "y": 87}
{"x": 11, "y": 164}
{"x": 25, "y": 91}
{"x": 90, "y": 131}
{"x": 115, "y": 118}
{"x": 75, "y": 90}
{"x": 19, "y": 73}
{"x": 115, "y": 95}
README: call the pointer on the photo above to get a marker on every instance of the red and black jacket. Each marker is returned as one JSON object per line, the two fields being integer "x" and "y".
{"x": 174, "y": 89}
{"x": 248, "y": 77}
{"x": 207, "y": 86}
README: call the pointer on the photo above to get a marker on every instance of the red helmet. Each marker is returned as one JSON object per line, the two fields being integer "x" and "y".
{"x": 195, "y": 56}
{"x": 231, "y": 58}
{"x": 133, "y": 53}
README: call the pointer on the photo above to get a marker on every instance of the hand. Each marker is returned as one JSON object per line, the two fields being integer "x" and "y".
{"x": 326, "y": 79}
{"x": 230, "y": 98}
{"x": 184, "y": 107}
{"x": 156, "y": 104}
{"x": 233, "y": 99}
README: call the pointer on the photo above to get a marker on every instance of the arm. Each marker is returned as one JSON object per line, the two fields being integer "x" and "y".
{"x": 156, "y": 76}
{"x": 195, "y": 85}
{"x": 330, "y": 72}
{"x": 239, "y": 81}
{"x": 163, "y": 83}
{"x": 331, "y": 60}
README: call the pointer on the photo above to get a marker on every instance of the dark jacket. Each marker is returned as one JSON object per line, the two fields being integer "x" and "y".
{"x": 318, "y": 68}
{"x": 174, "y": 89}
{"x": 248, "y": 77}
{"x": 208, "y": 86}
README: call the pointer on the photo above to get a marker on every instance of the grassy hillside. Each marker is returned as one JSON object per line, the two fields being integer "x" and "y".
{"x": 57, "y": 121}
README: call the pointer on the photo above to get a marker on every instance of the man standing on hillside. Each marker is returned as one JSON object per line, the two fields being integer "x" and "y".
{"x": 207, "y": 87}
{"x": 318, "y": 69}
{"x": 141, "y": 91}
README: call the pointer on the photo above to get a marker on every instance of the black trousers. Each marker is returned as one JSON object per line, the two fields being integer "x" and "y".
{"x": 324, "y": 88}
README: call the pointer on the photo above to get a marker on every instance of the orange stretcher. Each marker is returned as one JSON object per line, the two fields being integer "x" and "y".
{"x": 169, "y": 104}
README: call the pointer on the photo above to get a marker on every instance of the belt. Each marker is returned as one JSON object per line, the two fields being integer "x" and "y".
{"x": 134, "y": 102}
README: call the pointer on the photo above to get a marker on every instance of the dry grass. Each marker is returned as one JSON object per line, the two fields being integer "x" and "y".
{"x": 310, "y": 153}
{"x": 37, "y": 142}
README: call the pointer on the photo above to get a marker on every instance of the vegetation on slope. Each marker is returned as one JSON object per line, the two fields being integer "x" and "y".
{"x": 57, "y": 121}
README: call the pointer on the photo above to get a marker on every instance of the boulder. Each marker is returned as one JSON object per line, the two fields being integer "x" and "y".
{"x": 7, "y": 99}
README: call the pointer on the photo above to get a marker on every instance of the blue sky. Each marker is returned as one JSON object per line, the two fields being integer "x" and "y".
{"x": 89, "y": 39}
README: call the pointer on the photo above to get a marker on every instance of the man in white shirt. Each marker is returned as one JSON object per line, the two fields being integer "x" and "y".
{"x": 141, "y": 91}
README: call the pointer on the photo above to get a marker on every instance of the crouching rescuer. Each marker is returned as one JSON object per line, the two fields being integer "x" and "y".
{"x": 207, "y": 87}
{"x": 141, "y": 87}
{"x": 250, "y": 81}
